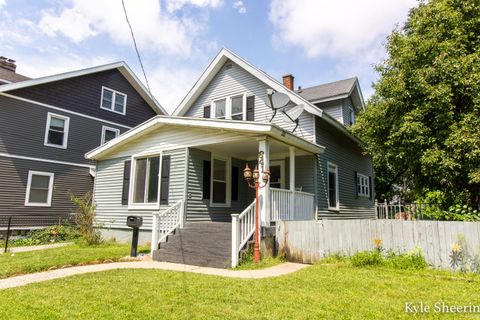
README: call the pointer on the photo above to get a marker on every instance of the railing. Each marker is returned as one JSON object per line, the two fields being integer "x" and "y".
{"x": 291, "y": 205}
{"x": 243, "y": 227}
{"x": 403, "y": 211}
{"x": 166, "y": 222}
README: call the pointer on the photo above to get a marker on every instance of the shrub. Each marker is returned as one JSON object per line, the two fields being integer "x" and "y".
{"x": 85, "y": 218}
{"x": 367, "y": 258}
{"x": 56, "y": 233}
{"x": 410, "y": 260}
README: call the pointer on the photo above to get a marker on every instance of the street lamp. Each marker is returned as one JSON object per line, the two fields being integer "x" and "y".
{"x": 254, "y": 182}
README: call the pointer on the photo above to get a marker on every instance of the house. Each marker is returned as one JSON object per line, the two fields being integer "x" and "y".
{"x": 46, "y": 126}
{"x": 188, "y": 168}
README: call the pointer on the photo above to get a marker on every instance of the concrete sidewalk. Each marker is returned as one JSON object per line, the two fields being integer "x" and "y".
{"x": 281, "y": 269}
{"x": 39, "y": 247}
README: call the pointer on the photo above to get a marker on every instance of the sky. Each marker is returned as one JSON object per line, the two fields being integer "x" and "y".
{"x": 317, "y": 41}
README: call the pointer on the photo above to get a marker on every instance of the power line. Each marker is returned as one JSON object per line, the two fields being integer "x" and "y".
{"x": 136, "y": 48}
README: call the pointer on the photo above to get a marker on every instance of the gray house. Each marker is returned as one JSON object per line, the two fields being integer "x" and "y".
{"x": 46, "y": 126}
{"x": 184, "y": 173}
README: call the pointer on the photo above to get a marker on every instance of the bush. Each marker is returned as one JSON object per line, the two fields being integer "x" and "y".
{"x": 85, "y": 218}
{"x": 367, "y": 258}
{"x": 56, "y": 233}
{"x": 410, "y": 260}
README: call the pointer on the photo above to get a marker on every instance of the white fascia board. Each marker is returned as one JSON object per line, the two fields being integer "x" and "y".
{"x": 343, "y": 96}
{"x": 217, "y": 63}
{"x": 231, "y": 125}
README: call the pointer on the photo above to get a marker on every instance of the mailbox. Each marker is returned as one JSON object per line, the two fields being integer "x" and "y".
{"x": 135, "y": 223}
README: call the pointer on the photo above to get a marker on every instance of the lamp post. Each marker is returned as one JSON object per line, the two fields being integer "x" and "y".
{"x": 254, "y": 182}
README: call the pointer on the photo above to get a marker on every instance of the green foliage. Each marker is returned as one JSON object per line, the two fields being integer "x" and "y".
{"x": 52, "y": 234}
{"x": 435, "y": 202}
{"x": 462, "y": 258}
{"x": 247, "y": 262}
{"x": 367, "y": 258}
{"x": 85, "y": 218}
{"x": 422, "y": 125}
{"x": 410, "y": 260}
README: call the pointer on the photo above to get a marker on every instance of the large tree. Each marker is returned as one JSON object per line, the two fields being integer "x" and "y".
{"x": 422, "y": 125}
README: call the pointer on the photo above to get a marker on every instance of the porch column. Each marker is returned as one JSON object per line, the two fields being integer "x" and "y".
{"x": 292, "y": 182}
{"x": 264, "y": 193}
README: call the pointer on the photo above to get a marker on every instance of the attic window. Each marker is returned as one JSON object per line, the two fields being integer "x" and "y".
{"x": 113, "y": 101}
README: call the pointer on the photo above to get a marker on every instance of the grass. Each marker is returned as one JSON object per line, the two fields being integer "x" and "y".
{"x": 248, "y": 263}
{"x": 337, "y": 291}
{"x": 34, "y": 261}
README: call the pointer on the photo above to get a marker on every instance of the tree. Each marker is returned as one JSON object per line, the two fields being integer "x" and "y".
{"x": 422, "y": 125}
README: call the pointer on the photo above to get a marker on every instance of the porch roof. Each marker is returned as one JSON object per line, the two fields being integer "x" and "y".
{"x": 266, "y": 129}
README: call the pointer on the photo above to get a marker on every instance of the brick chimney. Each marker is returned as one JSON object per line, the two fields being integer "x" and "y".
{"x": 7, "y": 64}
{"x": 288, "y": 81}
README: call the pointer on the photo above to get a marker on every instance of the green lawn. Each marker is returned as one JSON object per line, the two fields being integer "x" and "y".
{"x": 33, "y": 261}
{"x": 322, "y": 291}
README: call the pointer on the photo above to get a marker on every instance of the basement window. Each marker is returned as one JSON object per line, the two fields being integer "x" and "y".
{"x": 113, "y": 100}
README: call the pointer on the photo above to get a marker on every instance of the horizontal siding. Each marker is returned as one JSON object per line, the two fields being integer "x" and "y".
{"x": 236, "y": 80}
{"x": 108, "y": 190}
{"x": 348, "y": 156}
{"x": 13, "y": 184}
{"x": 334, "y": 109}
{"x": 22, "y": 132}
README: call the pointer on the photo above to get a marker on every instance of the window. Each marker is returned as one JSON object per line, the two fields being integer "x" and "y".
{"x": 56, "y": 131}
{"x": 145, "y": 178}
{"x": 352, "y": 116}
{"x": 333, "y": 187}
{"x": 363, "y": 185}
{"x": 113, "y": 101}
{"x": 39, "y": 189}
{"x": 230, "y": 108}
{"x": 221, "y": 175}
{"x": 109, "y": 133}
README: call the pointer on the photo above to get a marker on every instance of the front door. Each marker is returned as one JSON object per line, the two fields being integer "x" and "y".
{"x": 277, "y": 174}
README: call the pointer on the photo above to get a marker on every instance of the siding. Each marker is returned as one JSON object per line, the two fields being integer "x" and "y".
{"x": 82, "y": 94}
{"x": 199, "y": 209}
{"x": 236, "y": 80}
{"x": 346, "y": 106}
{"x": 22, "y": 132}
{"x": 108, "y": 190}
{"x": 13, "y": 184}
{"x": 348, "y": 156}
{"x": 304, "y": 173}
{"x": 333, "y": 108}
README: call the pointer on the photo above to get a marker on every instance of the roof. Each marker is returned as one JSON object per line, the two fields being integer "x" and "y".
{"x": 215, "y": 66}
{"x": 8, "y": 76}
{"x": 120, "y": 66}
{"x": 267, "y": 129}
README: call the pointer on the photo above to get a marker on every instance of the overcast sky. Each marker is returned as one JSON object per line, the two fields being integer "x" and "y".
{"x": 317, "y": 41}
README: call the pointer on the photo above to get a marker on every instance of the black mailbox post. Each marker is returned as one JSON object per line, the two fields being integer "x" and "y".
{"x": 135, "y": 223}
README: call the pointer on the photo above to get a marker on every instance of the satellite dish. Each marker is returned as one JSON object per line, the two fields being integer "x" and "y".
{"x": 292, "y": 115}
{"x": 276, "y": 100}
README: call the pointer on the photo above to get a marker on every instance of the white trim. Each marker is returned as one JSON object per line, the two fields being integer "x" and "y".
{"x": 121, "y": 66}
{"x": 144, "y": 205}
{"x": 366, "y": 186}
{"x": 269, "y": 129}
{"x": 50, "y": 189}
{"x": 104, "y": 129}
{"x": 351, "y": 112}
{"x": 228, "y": 182}
{"x": 337, "y": 206}
{"x": 114, "y": 99}
{"x": 51, "y": 115}
{"x": 5, "y": 80}
{"x": 63, "y": 110}
{"x": 7, "y": 155}
{"x": 280, "y": 163}
{"x": 337, "y": 97}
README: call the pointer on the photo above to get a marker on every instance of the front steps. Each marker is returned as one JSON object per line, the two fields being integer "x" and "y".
{"x": 205, "y": 244}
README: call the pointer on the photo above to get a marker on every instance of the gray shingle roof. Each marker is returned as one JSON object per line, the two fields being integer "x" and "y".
{"x": 327, "y": 90}
{"x": 11, "y": 76}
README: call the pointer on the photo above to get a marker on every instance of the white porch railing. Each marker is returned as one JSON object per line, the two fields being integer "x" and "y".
{"x": 291, "y": 205}
{"x": 166, "y": 222}
{"x": 243, "y": 227}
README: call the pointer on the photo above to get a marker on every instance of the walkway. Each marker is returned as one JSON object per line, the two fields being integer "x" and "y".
{"x": 278, "y": 270}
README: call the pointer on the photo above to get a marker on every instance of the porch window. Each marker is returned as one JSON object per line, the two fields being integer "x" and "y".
{"x": 145, "y": 190}
{"x": 363, "y": 185}
{"x": 333, "y": 203}
{"x": 220, "y": 181}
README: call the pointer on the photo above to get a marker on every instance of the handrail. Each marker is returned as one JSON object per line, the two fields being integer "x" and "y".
{"x": 163, "y": 224}
{"x": 291, "y": 205}
{"x": 243, "y": 227}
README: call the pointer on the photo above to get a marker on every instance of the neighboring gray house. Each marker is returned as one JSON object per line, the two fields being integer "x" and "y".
{"x": 188, "y": 168}
{"x": 46, "y": 126}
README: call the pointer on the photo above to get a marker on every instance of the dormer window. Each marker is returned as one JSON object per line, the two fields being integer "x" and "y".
{"x": 113, "y": 101}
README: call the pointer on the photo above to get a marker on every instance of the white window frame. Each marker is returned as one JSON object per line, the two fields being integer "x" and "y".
{"x": 142, "y": 205}
{"x": 337, "y": 205}
{"x": 228, "y": 106}
{"x": 112, "y": 106}
{"x": 228, "y": 176}
{"x": 351, "y": 116}
{"x": 363, "y": 185}
{"x": 280, "y": 163}
{"x": 51, "y": 176}
{"x": 51, "y": 115}
{"x": 104, "y": 129}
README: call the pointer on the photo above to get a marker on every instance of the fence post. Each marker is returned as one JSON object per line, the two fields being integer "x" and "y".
{"x": 8, "y": 233}
{"x": 154, "y": 244}
{"x": 235, "y": 239}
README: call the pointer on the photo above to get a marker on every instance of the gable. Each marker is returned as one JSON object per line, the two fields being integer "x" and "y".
{"x": 82, "y": 94}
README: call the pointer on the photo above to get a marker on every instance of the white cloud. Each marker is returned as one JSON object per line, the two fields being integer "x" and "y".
{"x": 174, "y": 5}
{"x": 335, "y": 28}
{"x": 239, "y": 6}
{"x": 2, "y": 3}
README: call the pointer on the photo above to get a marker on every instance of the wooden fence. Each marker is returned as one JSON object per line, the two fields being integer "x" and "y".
{"x": 309, "y": 241}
